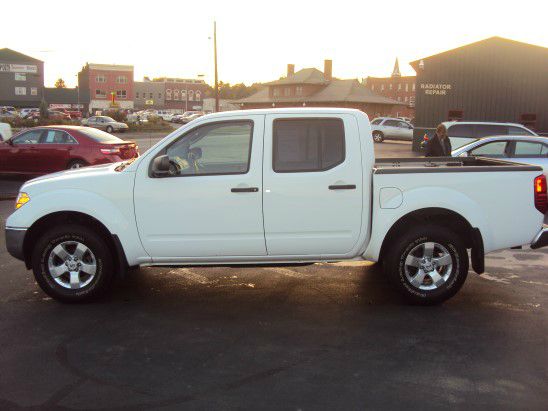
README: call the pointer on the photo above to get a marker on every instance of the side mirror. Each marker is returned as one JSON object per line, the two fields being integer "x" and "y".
{"x": 160, "y": 166}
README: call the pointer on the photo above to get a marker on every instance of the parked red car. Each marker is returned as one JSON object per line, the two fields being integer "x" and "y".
{"x": 74, "y": 114}
{"x": 43, "y": 150}
{"x": 52, "y": 115}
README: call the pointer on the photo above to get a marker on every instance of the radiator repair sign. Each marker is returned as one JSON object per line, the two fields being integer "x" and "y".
{"x": 18, "y": 68}
{"x": 436, "y": 89}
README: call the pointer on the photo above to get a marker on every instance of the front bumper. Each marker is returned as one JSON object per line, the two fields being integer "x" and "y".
{"x": 14, "y": 242}
{"x": 541, "y": 239}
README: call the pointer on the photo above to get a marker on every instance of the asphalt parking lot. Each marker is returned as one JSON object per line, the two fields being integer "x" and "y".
{"x": 326, "y": 336}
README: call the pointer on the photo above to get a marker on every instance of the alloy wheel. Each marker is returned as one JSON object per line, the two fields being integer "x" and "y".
{"x": 72, "y": 264}
{"x": 428, "y": 266}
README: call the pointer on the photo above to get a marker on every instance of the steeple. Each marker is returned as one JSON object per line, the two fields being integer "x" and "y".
{"x": 396, "y": 72}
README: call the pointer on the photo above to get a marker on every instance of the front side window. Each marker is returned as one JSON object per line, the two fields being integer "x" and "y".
{"x": 213, "y": 149}
{"x": 30, "y": 137}
{"x": 494, "y": 149}
{"x": 307, "y": 145}
{"x": 527, "y": 149}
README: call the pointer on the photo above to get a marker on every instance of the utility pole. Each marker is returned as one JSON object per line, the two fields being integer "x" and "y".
{"x": 215, "y": 59}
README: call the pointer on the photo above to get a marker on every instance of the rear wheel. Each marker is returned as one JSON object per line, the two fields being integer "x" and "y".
{"x": 76, "y": 164}
{"x": 72, "y": 263}
{"x": 428, "y": 264}
{"x": 378, "y": 137}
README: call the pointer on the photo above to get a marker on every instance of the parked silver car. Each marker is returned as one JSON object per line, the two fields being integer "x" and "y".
{"x": 464, "y": 132}
{"x": 105, "y": 123}
{"x": 518, "y": 149}
{"x": 388, "y": 128}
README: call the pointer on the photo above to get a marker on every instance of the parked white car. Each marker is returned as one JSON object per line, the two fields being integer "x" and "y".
{"x": 5, "y": 131}
{"x": 387, "y": 128}
{"x": 25, "y": 112}
{"x": 165, "y": 115}
{"x": 464, "y": 132}
{"x": 270, "y": 187}
{"x": 519, "y": 149}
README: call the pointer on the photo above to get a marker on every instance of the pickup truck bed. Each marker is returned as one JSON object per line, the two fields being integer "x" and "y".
{"x": 446, "y": 165}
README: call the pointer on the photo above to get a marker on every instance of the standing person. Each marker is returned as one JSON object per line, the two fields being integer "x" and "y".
{"x": 439, "y": 145}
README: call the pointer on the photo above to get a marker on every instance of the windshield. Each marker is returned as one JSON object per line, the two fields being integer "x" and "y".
{"x": 99, "y": 136}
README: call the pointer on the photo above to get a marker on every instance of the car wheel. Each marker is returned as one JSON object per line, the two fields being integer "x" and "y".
{"x": 428, "y": 264}
{"x": 72, "y": 263}
{"x": 109, "y": 129}
{"x": 74, "y": 164}
{"x": 378, "y": 137}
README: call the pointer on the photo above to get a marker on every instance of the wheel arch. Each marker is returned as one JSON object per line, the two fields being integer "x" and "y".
{"x": 471, "y": 236}
{"x": 64, "y": 217}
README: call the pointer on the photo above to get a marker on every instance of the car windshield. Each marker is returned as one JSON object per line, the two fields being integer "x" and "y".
{"x": 100, "y": 136}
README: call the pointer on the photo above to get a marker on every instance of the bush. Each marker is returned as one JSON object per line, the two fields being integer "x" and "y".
{"x": 150, "y": 126}
{"x": 18, "y": 122}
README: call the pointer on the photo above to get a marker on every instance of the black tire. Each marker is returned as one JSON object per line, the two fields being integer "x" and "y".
{"x": 109, "y": 129}
{"x": 72, "y": 233}
{"x": 378, "y": 137}
{"x": 394, "y": 264}
{"x": 76, "y": 164}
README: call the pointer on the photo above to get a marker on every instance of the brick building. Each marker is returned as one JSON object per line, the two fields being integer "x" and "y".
{"x": 21, "y": 79}
{"x": 99, "y": 82}
{"x": 312, "y": 88}
{"x": 396, "y": 87}
{"x": 176, "y": 94}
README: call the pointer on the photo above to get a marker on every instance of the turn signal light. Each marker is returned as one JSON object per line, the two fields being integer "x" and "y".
{"x": 22, "y": 199}
{"x": 541, "y": 196}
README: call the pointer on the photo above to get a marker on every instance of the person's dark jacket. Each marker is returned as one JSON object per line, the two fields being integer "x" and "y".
{"x": 438, "y": 147}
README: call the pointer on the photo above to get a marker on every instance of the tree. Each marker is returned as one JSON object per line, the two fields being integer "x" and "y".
{"x": 60, "y": 83}
{"x": 44, "y": 109}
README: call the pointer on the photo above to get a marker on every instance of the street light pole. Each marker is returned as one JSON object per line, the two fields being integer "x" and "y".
{"x": 215, "y": 58}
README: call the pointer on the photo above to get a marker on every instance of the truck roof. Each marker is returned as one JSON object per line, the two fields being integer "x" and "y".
{"x": 289, "y": 110}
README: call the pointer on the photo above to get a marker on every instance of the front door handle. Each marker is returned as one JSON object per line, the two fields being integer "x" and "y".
{"x": 343, "y": 187}
{"x": 244, "y": 189}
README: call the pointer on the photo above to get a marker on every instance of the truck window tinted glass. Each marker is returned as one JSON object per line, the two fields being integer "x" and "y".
{"x": 461, "y": 130}
{"x": 518, "y": 131}
{"x": 219, "y": 148}
{"x": 494, "y": 149}
{"x": 526, "y": 149}
{"x": 303, "y": 145}
{"x": 484, "y": 130}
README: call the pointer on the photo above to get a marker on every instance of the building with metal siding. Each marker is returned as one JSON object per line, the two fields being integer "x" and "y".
{"x": 495, "y": 79}
{"x": 21, "y": 79}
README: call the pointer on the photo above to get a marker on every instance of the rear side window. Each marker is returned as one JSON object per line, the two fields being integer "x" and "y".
{"x": 307, "y": 145}
{"x": 392, "y": 123}
{"x": 56, "y": 137}
{"x": 527, "y": 149}
{"x": 485, "y": 130}
{"x": 461, "y": 130}
{"x": 518, "y": 131}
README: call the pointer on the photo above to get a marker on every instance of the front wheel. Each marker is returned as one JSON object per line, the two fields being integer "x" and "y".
{"x": 109, "y": 129}
{"x": 427, "y": 264}
{"x": 378, "y": 137}
{"x": 72, "y": 263}
{"x": 74, "y": 164}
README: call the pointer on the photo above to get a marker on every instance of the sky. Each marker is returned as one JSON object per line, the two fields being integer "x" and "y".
{"x": 257, "y": 39}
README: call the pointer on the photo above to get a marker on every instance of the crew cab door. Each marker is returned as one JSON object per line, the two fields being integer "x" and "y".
{"x": 312, "y": 185}
{"x": 211, "y": 205}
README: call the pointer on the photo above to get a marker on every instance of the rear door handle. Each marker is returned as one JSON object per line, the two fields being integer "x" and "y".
{"x": 244, "y": 189}
{"x": 343, "y": 187}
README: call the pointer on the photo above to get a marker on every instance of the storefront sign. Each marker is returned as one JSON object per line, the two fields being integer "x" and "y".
{"x": 149, "y": 102}
{"x": 18, "y": 68}
{"x": 436, "y": 89}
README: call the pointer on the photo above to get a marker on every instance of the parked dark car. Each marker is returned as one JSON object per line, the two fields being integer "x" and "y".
{"x": 43, "y": 150}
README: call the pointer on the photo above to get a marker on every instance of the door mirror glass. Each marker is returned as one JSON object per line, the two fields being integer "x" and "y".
{"x": 160, "y": 166}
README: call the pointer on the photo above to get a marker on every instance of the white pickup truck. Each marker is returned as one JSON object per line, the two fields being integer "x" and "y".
{"x": 264, "y": 187}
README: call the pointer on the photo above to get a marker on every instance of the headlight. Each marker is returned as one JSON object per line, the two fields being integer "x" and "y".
{"x": 22, "y": 199}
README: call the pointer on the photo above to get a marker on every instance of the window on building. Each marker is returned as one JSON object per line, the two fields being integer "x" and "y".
{"x": 299, "y": 90}
{"x": 137, "y": 94}
{"x": 405, "y": 99}
{"x": 20, "y": 91}
{"x": 191, "y": 95}
{"x": 198, "y": 95}
{"x": 399, "y": 86}
{"x": 34, "y": 91}
{"x": 276, "y": 92}
{"x": 20, "y": 77}
{"x": 160, "y": 95}
{"x": 121, "y": 79}
{"x": 412, "y": 101}
{"x": 413, "y": 86}
{"x": 100, "y": 93}
{"x": 168, "y": 94}
{"x": 176, "y": 94}
{"x": 372, "y": 87}
{"x": 382, "y": 87}
{"x": 307, "y": 145}
{"x": 287, "y": 91}
{"x": 390, "y": 86}
{"x": 528, "y": 149}
{"x": 222, "y": 148}
{"x": 100, "y": 79}
{"x": 121, "y": 94}
{"x": 406, "y": 86}
{"x": 183, "y": 95}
